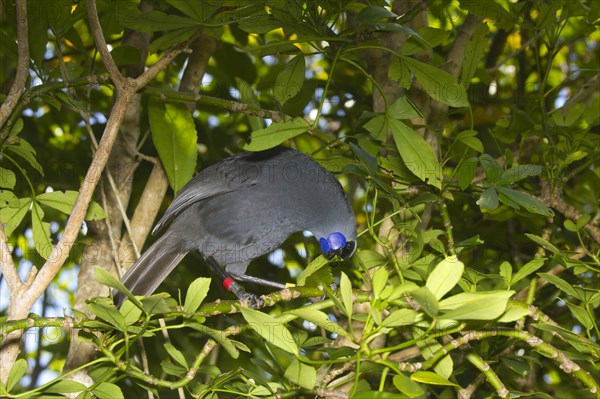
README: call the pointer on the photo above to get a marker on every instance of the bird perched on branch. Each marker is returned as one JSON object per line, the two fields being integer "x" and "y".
{"x": 241, "y": 208}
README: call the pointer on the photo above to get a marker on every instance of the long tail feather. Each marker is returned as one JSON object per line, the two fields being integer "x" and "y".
{"x": 155, "y": 264}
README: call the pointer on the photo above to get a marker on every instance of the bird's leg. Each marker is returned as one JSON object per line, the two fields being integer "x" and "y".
{"x": 248, "y": 298}
{"x": 260, "y": 281}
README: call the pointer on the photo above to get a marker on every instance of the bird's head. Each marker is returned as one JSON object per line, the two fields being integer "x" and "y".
{"x": 337, "y": 244}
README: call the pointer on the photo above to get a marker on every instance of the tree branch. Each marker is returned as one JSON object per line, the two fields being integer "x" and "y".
{"x": 107, "y": 60}
{"x": 7, "y": 266}
{"x": 22, "y": 63}
{"x": 553, "y": 198}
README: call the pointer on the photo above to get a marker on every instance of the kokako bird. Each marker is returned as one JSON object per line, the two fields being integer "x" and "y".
{"x": 241, "y": 208}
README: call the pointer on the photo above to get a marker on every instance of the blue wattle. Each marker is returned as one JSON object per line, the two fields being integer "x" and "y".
{"x": 336, "y": 241}
{"x": 324, "y": 245}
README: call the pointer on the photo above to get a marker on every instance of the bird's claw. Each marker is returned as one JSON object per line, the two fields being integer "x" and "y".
{"x": 250, "y": 300}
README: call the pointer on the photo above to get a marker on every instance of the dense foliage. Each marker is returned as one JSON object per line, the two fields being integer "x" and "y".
{"x": 466, "y": 134}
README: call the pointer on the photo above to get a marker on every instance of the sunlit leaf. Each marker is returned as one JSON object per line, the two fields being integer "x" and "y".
{"x": 445, "y": 276}
{"x": 417, "y": 154}
{"x": 271, "y": 330}
{"x": 290, "y": 80}
{"x": 275, "y": 134}
{"x": 437, "y": 83}
{"x": 196, "y": 293}
{"x": 175, "y": 138}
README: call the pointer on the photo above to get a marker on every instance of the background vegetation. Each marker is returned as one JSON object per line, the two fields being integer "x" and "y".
{"x": 465, "y": 132}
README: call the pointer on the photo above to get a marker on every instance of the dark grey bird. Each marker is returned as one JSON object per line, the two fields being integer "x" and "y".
{"x": 241, "y": 208}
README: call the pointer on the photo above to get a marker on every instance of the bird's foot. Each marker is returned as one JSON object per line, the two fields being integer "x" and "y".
{"x": 250, "y": 300}
{"x": 246, "y": 298}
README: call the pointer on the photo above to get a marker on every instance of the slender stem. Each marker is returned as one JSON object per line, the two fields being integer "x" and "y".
{"x": 490, "y": 375}
{"x": 448, "y": 226}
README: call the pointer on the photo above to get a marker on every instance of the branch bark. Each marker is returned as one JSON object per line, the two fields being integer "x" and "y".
{"x": 22, "y": 64}
{"x": 553, "y": 198}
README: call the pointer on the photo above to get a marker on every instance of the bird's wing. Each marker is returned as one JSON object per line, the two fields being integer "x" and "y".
{"x": 223, "y": 177}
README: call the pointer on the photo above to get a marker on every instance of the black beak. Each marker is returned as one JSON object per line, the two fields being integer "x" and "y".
{"x": 345, "y": 252}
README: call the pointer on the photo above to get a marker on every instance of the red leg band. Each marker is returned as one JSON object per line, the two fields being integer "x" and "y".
{"x": 227, "y": 283}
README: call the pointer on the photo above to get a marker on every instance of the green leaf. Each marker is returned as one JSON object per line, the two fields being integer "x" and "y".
{"x": 24, "y": 150}
{"x": 370, "y": 259}
{"x": 506, "y": 272}
{"x": 519, "y": 172}
{"x": 17, "y": 127}
{"x": 466, "y": 172}
{"x": 582, "y": 315}
{"x": 439, "y": 84}
{"x": 104, "y": 277}
{"x": 301, "y": 374}
{"x": 17, "y": 371}
{"x": 107, "y": 312}
{"x": 271, "y": 329}
{"x": 65, "y": 386}
{"x": 445, "y": 276}
{"x": 468, "y": 138}
{"x": 417, "y": 154}
{"x": 312, "y": 268}
{"x": 13, "y": 216}
{"x": 290, "y": 80}
{"x": 474, "y": 52}
{"x": 408, "y": 387}
{"x": 320, "y": 319}
{"x": 380, "y": 279}
{"x": 403, "y": 108}
{"x": 176, "y": 355}
{"x": 400, "y": 318}
{"x": 378, "y": 127}
{"x": 8, "y": 179}
{"x": 131, "y": 312}
{"x": 527, "y": 269}
{"x": 484, "y": 305}
{"x": 63, "y": 201}
{"x": 581, "y": 222}
{"x": 428, "y": 302}
{"x": 372, "y": 14}
{"x": 171, "y": 39}
{"x": 445, "y": 365}
{"x": 154, "y": 21}
{"x": 429, "y": 38}
{"x": 41, "y": 232}
{"x": 575, "y": 156}
{"x": 226, "y": 343}
{"x": 544, "y": 243}
{"x": 175, "y": 138}
{"x": 488, "y": 199}
{"x": 108, "y": 390}
{"x": 196, "y": 293}
{"x": 8, "y": 199}
{"x": 492, "y": 169}
{"x": 191, "y": 9}
{"x": 365, "y": 158}
{"x": 275, "y": 134}
{"x": 172, "y": 369}
{"x": 513, "y": 313}
{"x": 260, "y": 24}
{"x": 569, "y": 225}
{"x": 561, "y": 284}
{"x": 524, "y": 200}
{"x": 346, "y": 293}
{"x": 427, "y": 377}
